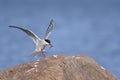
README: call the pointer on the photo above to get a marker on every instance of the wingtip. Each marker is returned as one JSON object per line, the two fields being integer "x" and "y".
{"x": 52, "y": 20}
{"x": 10, "y": 26}
{"x": 13, "y": 26}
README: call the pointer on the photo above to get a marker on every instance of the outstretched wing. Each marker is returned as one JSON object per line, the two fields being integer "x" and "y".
{"x": 34, "y": 37}
{"x": 49, "y": 29}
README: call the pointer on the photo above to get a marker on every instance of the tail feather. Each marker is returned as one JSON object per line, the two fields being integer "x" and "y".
{"x": 34, "y": 53}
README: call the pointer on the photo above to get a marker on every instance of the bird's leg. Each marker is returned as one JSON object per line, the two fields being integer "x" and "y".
{"x": 43, "y": 52}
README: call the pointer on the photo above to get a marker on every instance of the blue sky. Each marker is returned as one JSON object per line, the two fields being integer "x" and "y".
{"x": 89, "y": 27}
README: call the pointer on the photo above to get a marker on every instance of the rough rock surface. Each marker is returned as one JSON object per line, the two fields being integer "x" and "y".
{"x": 58, "y": 67}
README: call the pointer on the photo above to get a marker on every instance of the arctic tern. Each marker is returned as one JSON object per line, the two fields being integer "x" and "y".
{"x": 40, "y": 43}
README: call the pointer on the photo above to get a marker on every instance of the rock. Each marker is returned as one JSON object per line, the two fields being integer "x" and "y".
{"x": 58, "y": 67}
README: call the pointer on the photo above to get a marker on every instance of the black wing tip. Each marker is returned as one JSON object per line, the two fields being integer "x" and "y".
{"x": 51, "y": 20}
{"x": 11, "y": 26}
{"x": 15, "y": 27}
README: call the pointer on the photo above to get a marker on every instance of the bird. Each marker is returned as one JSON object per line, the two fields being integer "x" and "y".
{"x": 40, "y": 43}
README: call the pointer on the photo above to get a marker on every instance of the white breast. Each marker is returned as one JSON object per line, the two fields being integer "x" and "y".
{"x": 41, "y": 45}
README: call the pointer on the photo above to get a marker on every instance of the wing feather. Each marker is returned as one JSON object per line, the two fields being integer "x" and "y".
{"x": 49, "y": 29}
{"x": 34, "y": 37}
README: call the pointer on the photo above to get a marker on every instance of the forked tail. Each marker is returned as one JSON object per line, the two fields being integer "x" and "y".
{"x": 35, "y": 53}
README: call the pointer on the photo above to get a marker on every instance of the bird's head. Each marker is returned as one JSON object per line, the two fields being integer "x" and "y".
{"x": 49, "y": 42}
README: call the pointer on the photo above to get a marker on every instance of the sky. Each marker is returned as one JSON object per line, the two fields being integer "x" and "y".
{"x": 89, "y": 27}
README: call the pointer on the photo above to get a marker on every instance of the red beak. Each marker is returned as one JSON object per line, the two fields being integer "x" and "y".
{"x": 50, "y": 45}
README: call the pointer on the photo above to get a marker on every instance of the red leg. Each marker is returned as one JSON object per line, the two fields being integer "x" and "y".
{"x": 43, "y": 52}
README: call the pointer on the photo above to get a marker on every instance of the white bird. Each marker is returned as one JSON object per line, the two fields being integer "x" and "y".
{"x": 40, "y": 43}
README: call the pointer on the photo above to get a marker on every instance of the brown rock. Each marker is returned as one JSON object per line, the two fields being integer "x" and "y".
{"x": 58, "y": 67}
